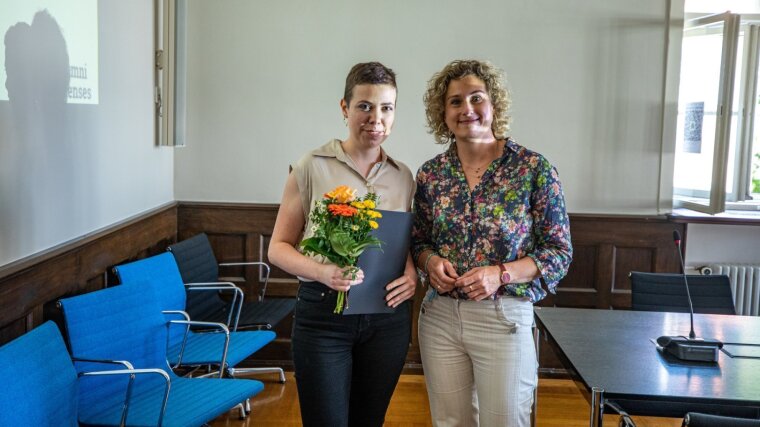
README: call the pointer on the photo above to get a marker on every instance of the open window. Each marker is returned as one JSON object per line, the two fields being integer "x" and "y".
{"x": 717, "y": 165}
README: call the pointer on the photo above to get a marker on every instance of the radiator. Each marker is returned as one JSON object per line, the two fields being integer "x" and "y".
{"x": 745, "y": 285}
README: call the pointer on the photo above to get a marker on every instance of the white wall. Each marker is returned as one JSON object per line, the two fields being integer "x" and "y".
{"x": 67, "y": 170}
{"x": 716, "y": 243}
{"x": 265, "y": 79}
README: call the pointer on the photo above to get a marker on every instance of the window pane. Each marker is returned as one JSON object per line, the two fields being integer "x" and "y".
{"x": 697, "y": 111}
{"x": 755, "y": 179}
{"x": 734, "y": 140}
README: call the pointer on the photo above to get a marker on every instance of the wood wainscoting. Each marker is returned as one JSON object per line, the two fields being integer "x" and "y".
{"x": 240, "y": 232}
{"x": 30, "y": 287}
{"x": 606, "y": 248}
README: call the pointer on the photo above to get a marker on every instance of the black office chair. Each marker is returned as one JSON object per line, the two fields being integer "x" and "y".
{"x": 197, "y": 264}
{"x": 667, "y": 292}
{"x": 695, "y": 419}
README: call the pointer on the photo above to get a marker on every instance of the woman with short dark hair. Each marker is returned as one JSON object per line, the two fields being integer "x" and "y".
{"x": 346, "y": 366}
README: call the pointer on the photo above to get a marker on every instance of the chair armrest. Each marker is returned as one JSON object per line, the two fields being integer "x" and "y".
{"x": 215, "y": 325}
{"x": 221, "y": 326}
{"x": 184, "y": 316}
{"x": 180, "y": 312}
{"x": 625, "y": 419}
{"x": 228, "y": 264}
{"x": 696, "y": 419}
{"x": 237, "y": 299}
{"x": 221, "y": 284}
{"x": 262, "y": 264}
{"x": 132, "y": 373}
{"x": 124, "y": 363}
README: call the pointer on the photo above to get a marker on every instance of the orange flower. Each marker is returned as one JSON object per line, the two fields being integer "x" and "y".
{"x": 342, "y": 210}
{"x": 342, "y": 194}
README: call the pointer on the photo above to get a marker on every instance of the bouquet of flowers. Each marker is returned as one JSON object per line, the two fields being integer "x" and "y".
{"x": 341, "y": 224}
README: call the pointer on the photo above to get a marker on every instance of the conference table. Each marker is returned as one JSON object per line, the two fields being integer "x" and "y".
{"x": 612, "y": 356}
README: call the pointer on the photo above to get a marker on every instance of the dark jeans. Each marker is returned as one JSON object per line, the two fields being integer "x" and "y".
{"x": 346, "y": 367}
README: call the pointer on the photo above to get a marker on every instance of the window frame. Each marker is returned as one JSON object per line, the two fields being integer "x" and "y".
{"x": 165, "y": 37}
{"x": 717, "y": 198}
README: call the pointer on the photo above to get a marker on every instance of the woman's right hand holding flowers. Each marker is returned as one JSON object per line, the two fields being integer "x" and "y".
{"x": 441, "y": 274}
{"x": 339, "y": 278}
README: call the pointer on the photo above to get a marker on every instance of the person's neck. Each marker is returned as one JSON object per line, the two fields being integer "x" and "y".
{"x": 478, "y": 152}
{"x": 363, "y": 158}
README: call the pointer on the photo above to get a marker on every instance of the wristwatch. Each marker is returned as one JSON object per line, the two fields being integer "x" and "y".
{"x": 505, "y": 276}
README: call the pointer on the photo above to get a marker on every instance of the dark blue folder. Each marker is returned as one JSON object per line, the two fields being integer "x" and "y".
{"x": 382, "y": 266}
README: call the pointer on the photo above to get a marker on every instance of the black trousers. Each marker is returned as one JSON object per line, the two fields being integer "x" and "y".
{"x": 346, "y": 367}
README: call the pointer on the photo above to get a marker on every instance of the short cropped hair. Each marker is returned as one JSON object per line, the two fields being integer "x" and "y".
{"x": 435, "y": 97}
{"x": 373, "y": 73}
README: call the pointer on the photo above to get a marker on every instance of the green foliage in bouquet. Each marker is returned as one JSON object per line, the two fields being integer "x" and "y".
{"x": 341, "y": 226}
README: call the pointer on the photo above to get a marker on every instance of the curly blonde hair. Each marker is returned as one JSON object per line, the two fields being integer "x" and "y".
{"x": 435, "y": 102}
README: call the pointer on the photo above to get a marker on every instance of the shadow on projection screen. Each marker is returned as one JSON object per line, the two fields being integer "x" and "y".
{"x": 49, "y": 48}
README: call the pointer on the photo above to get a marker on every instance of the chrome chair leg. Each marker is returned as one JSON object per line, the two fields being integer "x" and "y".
{"x": 241, "y": 411}
{"x": 236, "y": 371}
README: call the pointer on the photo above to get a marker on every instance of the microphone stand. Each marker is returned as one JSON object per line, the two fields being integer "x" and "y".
{"x": 691, "y": 348}
{"x": 677, "y": 240}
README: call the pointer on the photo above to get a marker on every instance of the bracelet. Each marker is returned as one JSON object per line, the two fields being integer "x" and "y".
{"x": 427, "y": 260}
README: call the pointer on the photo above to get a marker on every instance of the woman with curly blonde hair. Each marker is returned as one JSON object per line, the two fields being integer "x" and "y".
{"x": 491, "y": 237}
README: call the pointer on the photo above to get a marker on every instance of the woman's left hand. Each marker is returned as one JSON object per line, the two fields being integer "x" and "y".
{"x": 480, "y": 282}
{"x": 400, "y": 289}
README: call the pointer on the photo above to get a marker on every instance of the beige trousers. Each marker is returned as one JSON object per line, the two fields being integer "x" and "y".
{"x": 479, "y": 361}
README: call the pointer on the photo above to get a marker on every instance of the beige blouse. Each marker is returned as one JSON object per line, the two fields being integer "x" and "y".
{"x": 327, "y": 167}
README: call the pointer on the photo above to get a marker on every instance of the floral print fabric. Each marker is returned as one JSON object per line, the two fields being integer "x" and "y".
{"x": 516, "y": 210}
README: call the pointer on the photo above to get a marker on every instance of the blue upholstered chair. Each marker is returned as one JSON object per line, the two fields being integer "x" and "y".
{"x": 124, "y": 323}
{"x": 187, "y": 347}
{"x": 39, "y": 381}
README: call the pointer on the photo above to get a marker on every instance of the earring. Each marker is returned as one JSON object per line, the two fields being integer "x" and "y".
{"x": 345, "y": 120}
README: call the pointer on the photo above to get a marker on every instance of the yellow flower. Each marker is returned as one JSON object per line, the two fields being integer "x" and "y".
{"x": 355, "y": 227}
{"x": 373, "y": 224}
{"x": 373, "y": 214}
{"x": 342, "y": 194}
{"x": 359, "y": 205}
{"x": 369, "y": 204}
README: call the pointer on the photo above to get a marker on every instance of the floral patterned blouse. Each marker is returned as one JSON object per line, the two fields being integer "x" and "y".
{"x": 516, "y": 210}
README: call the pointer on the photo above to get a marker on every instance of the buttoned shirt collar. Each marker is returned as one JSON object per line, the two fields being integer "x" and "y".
{"x": 335, "y": 149}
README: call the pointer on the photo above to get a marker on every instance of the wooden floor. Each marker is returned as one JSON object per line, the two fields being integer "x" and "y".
{"x": 560, "y": 403}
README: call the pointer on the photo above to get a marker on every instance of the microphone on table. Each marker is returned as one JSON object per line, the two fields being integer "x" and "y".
{"x": 691, "y": 348}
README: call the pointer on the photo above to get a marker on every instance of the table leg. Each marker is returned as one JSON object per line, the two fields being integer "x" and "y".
{"x": 597, "y": 407}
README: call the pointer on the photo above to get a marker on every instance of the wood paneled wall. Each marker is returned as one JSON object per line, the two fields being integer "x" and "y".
{"x": 29, "y": 288}
{"x": 606, "y": 249}
{"x": 241, "y": 232}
